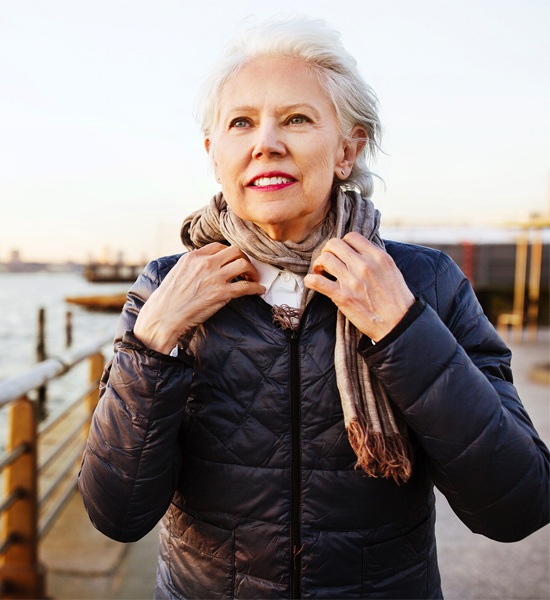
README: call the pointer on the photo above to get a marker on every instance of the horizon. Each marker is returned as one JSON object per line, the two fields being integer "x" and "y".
{"x": 99, "y": 148}
{"x": 421, "y": 233}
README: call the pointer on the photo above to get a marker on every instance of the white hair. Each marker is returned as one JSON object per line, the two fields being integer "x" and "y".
{"x": 320, "y": 47}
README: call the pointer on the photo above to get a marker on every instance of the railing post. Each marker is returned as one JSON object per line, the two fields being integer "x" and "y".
{"x": 42, "y": 354}
{"x": 68, "y": 329}
{"x": 96, "y": 365}
{"x": 21, "y": 573}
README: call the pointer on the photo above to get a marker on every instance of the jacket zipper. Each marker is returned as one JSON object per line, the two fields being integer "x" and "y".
{"x": 296, "y": 485}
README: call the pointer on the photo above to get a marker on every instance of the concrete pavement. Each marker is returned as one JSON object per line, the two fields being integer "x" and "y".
{"x": 474, "y": 567}
{"x": 83, "y": 564}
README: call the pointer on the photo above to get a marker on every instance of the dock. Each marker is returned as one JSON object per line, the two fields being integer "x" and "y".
{"x": 112, "y": 272}
{"x": 105, "y": 303}
{"x": 83, "y": 564}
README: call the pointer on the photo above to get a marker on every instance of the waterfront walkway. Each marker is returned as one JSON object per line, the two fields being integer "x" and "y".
{"x": 83, "y": 564}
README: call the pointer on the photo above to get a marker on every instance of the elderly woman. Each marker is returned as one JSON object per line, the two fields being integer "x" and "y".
{"x": 284, "y": 397}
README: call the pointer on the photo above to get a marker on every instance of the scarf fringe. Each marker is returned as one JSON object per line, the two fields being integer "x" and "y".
{"x": 379, "y": 454}
{"x": 287, "y": 317}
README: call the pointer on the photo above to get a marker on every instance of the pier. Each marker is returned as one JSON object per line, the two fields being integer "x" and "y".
{"x": 40, "y": 464}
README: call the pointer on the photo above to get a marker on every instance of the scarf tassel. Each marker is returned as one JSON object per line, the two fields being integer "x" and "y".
{"x": 378, "y": 454}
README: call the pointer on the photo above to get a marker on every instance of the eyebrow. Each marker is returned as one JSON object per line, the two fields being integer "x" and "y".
{"x": 284, "y": 109}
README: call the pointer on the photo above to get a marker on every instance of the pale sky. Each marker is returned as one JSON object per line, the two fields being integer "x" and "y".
{"x": 99, "y": 148}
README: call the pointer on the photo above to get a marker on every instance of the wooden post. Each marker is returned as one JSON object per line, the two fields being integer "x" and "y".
{"x": 41, "y": 354}
{"x": 96, "y": 365}
{"x": 41, "y": 340}
{"x": 519, "y": 285}
{"x": 533, "y": 295}
{"x": 468, "y": 261}
{"x": 68, "y": 329}
{"x": 20, "y": 571}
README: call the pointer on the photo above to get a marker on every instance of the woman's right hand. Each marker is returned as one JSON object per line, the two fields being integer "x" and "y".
{"x": 202, "y": 282}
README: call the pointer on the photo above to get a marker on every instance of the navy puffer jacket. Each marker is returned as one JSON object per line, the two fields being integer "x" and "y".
{"x": 239, "y": 446}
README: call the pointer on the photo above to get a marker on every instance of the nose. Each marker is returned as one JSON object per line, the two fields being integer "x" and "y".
{"x": 268, "y": 141}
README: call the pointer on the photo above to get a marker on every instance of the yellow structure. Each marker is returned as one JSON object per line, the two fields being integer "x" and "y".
{"x": 526, "y": 281}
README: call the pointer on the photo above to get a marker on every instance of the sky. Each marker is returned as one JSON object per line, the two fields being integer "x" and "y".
{"x": 100, "y": 153}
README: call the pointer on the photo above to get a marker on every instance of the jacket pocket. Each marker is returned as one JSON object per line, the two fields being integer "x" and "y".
{"x": 202, "y": 557}
{"x": 398, "y": 568}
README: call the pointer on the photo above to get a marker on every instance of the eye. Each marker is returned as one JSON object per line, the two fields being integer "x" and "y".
{"x": 239, "y": 123}
{"x": 298, "y": 120}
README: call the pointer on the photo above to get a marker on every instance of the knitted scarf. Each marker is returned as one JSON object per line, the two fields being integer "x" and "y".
{"x": 377, "y": 435}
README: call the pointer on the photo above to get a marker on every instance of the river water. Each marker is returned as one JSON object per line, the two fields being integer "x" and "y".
{"x": 21, "y": 297}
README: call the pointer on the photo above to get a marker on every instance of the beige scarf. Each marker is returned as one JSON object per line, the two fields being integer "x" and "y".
{"x": 377, "y": 437}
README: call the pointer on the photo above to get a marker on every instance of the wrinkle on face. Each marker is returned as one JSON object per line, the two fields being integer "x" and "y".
{"x": 262, "y": 96}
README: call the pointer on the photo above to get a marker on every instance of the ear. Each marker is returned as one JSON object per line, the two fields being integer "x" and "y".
{"x": 351, "y": 148}
{"x": 208, "y": 148}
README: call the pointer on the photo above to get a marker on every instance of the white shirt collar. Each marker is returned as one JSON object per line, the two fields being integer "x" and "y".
{"x": 281, "y": 285}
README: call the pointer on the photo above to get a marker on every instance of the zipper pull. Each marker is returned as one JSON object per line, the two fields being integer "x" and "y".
{"x": 296, "y": 553}
{"x": 291, "y": 335}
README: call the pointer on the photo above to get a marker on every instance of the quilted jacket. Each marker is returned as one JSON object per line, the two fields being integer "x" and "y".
{"x": 238, "y": 447}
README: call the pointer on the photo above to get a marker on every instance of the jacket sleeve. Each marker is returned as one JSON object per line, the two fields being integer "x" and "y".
{"x": 448, "y": 371}
{"x": 131, "y": 461}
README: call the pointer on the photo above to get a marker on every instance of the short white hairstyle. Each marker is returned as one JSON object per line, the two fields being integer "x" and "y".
{"x": 313, "y": 42}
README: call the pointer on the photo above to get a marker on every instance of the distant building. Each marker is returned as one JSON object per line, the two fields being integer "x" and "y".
{"x": 16, "y": 264}
{"x": 15, "y": 257}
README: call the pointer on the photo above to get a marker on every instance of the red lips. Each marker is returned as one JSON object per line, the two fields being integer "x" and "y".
{"x": 271, "y": 179}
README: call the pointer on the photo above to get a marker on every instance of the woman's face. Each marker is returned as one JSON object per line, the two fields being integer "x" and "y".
{"x": 277, "y": 146}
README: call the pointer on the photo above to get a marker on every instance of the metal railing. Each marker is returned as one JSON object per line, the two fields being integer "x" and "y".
{"x": 40, "y": 464}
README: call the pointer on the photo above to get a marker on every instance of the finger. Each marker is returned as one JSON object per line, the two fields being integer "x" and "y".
{"x": 188, "y": 259}
{"x": 238, "y": 262}
{"x": 253, "y": 276}
{"x": 241, "y": 267}
{"x": 213, "y": 257}
{"x": 329, "y": 265}
{"x": 336, "y": 246}
{"x": 359, "y": 242}
{"x": 364, "y": 249}
{"x": 229, "y": 254}
{"x": 321, "y": 284}
{"x": 359, "y": 255}
{"x": 351, "y": 245}
{"x": 243, "y": 287}
{"x": 212, "y": 248}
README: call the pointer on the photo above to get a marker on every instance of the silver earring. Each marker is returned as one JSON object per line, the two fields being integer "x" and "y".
{"x": 343, "y": 172}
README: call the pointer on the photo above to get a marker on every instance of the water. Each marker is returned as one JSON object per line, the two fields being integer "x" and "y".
{"x": 21, "y": 297}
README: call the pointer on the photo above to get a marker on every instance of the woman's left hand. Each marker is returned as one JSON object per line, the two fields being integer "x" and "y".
{"x": 369, "y": 288}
